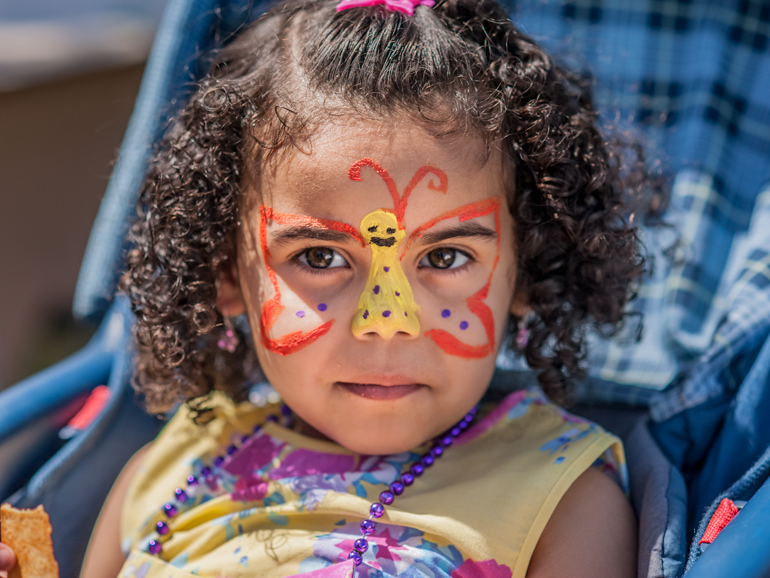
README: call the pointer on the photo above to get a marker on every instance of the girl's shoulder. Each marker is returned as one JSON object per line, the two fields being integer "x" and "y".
{"x": 182, "y": 442}
{"x": 537, "y": 432}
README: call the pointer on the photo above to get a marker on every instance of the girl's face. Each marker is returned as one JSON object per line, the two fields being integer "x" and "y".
{"x": 377, "y": 270}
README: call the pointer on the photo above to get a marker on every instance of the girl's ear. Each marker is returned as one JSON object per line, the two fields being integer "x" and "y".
{"x": 229, "y": 296}
{"x": 520, "y": 303}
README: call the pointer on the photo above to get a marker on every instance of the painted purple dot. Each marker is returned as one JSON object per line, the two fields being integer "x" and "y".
{"x": 386, "y": 269}
{"x": 361, "y": 545}
{"x": 322, "y": 306}
{"x": 386, "y": 313}
{"x": 376, "y": 510}
{"x": 300, "y": 314}
{"x": 398, "y": 294}
{"x": 367, "y": 527}
{"x": 407, "y": 479}
{"x": 181, "y": 495}
{"x": 355, "y": 556}
{"x": 366, "y": 314}
{"x": 162, "y": 528}
{"x": 464, "y": 325}
{"x": 397, "y": 488}
{"x": 376, "y": 289}
{"x": 446, "y": 313}
{"x": 417, "y": 470}
{"x": 170, "y": 510}
{"x": 155, "y": 547}
{"x": 406, "y": 314}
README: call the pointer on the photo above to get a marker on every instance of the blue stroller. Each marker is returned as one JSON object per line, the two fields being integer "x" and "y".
{"x": 690, "y": 397}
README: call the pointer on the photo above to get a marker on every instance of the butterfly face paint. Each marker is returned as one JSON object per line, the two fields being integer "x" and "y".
{"x": 386, "y": 298}
{"x": 445, "y": 340}
{"x": 386, "y": 305}
{"x": 272, "y": 309}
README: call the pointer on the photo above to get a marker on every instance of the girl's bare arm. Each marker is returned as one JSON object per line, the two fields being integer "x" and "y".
{"x": 592, "y": 532}
{"x": 104, "y": 557}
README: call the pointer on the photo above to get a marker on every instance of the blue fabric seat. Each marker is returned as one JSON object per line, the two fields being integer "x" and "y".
{"x": 691, "y": 79}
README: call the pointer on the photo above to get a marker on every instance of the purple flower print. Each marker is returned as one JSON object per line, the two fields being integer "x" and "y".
{"x": 341, "y": 570}
{"x": 255, "y": 454}
{"x": 336, "y": 483}
{"x": 312, "y": 489}
{"x": 484, "y": 569}
{"x": 393, "y": 551}
{"x": 302, "y": 462}
{"x": 249, "y": 490}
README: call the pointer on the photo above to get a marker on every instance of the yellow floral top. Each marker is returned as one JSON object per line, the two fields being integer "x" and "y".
{"x": 287, "y": 505}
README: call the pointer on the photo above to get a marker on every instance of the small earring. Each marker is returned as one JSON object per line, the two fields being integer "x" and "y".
{"x": 229, "y": 341}
{"x": 522, "y": 334}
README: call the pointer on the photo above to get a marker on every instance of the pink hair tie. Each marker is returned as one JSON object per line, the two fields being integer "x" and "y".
{"x": 405, "y": 6}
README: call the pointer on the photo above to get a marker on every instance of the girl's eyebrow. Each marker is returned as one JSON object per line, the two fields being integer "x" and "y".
{"x": 461, "y": 230}
{"x": 289, "y": 234}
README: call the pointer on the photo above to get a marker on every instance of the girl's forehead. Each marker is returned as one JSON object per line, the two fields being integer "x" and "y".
{"x": 316, "y": 180}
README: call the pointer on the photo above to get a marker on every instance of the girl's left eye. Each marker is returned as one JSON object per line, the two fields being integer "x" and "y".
{"x": 322, "y": 258}
{"x": 444, "y": 258}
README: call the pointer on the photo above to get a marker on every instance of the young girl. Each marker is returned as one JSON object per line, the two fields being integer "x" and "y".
{"x": 362, "y": 202}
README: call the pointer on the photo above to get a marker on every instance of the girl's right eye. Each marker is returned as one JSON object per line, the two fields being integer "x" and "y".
{"x": 322, "y": 258}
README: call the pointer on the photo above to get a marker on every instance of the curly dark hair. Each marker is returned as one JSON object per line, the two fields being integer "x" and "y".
{"x": 459, "y": 67}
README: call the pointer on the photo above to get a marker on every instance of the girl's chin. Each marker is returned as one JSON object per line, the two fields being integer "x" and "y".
{"x": 371, "y": 440}
{"x": 377, "y": 448}
{"x": 372, "y": 419}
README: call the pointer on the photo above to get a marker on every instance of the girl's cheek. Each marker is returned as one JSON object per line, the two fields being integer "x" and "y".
{"x": 302, "y": 313}
{"x": 307, "y": 302}
{"x": 448, "y": 310}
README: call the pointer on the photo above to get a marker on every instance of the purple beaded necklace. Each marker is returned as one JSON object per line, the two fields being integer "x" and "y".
{"x": 210, "y": 475}
{"x": 377, "y": 509}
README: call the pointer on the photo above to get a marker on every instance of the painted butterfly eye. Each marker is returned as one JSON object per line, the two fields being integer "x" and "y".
{"x": 322, "y": 258}
{"x": 444, "y": 258}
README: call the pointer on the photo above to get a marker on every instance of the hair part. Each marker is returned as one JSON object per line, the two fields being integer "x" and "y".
{"x": 459, "y": 68}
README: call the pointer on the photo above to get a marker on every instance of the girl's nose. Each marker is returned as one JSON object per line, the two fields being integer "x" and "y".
{"x": 386, "y": 306}
{"x": 385, "y": 323}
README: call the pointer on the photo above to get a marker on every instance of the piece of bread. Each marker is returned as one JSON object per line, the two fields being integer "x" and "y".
{"x": 28, "y": 533}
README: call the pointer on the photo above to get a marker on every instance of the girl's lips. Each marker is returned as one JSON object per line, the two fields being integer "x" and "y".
{"x": 380, "y": 392}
